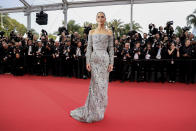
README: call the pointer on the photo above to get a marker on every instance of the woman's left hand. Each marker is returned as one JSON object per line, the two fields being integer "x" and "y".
{"x": 110, "y": 67}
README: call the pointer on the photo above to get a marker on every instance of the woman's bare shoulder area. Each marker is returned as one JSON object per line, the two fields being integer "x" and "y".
{"x": 91, "y": 31}
{"x": 109, "y": 32}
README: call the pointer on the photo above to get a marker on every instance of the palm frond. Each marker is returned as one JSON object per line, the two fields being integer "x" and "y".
{"x": 191, "y": 19}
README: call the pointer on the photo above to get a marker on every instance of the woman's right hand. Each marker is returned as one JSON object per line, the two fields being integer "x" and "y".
{"x": 88, "y": 67}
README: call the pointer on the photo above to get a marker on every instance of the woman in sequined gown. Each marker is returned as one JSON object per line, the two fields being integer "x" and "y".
{"x": 99, "y": 61}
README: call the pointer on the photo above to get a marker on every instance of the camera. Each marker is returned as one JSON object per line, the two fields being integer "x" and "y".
{"x": 30, "y": 35}
{"x": 136, "y": 50}
{"x": 169, "y": 29}
{"x": 186, "y": 28}
{"x": 87, "y": 29}
{"x": 63, "y": 29}
{"x": 150, "y": 26}
{"x": 2, "y": 34}
{"x": 131, "y": 33}
{"x": 125, "y": 51}
{"x": 152, "y": 29}
{"x": 44, "y": 33}
{"x": 14, "y": 37}
{"x": 169, "y": 23}
{"x": 51, "y": 41}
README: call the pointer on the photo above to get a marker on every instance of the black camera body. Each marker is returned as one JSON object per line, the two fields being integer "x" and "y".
{"x": 150, "y": 26}
{"x": 169, "y": 29}
{"x": 169, "y": 23}
{"x": 63, "y": 29}
{"x": 87, "y": 29}
{"x": 186, "y": 28}
{"x": 131, "y": 33}
{"x": 30, "y": 35}
{"x": 152, "y": 29}
{"x": 44, "y": 33}
{"x": 14, "y": 37}
{"x": 125, "y": 51}
{"x": 2, "y": 34}
{"x": 136, "y": 50}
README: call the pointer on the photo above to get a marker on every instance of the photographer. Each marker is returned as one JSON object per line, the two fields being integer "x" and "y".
{"x": 47, "y": 57}
{"x": 148, "y": 55}
{"x": 133, "y": 37}
{"x": 57, "y": 62}
{"x": 152, "y": 29}
{"x": 117, "y": 49}
{"x": 75, "y": 38}
{"x": 18, "y": 49}
{"x": 6, "y": 58}
{"x": 138, "y": 37}
{"x": 173, "y": 54}
{"x": 159, "y": 63}
{"x": 39, "y": 51}
{"x": 84, "y": 39}
{"x": 62, "y": 32}
{"x": 30, "y": 52}
{"x": 30, "y": 35}
{"x": 144, "y": 40}
{"x": 125, "y": 59}
{"x": 169, "y": 29}
{"x": 87, "y": 29}
{"x": 79, "y": 60}
{"x": 185, "y": 34}
{"x": 156, "y": 40}
{"x": 13, "y": 36}
{"x": 18, "y": 65}
{"x": 123, "y": 40}
{"x": 148, "y": 52}
{"x": 186, "y": 63}
{"x": 192, "y": 37}
{"x": 161, "y": 32}
{"x": 137, "y": 54}
{"x": 68, "y": 58}
{"x": 165, "y": 42}
{"x": 193, "y": 72}
{"x": 117, "y": 60}
{"x": 186, "y": 50}
{"x": 178, "y": 42}
{"x": 44, "y": 38}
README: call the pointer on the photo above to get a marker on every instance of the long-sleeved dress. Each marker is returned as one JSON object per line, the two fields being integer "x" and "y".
{"x": 100, "y": 53}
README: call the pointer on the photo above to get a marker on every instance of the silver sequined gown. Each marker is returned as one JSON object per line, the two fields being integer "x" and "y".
{"x": 100, "y": 53}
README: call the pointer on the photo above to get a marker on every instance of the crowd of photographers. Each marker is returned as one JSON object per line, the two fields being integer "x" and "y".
{"x": 158, "y": 56}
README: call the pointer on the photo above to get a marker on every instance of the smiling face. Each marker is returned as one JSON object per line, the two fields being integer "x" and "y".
{"x": 100, "y": 18}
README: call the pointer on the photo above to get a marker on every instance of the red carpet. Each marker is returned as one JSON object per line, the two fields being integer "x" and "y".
{"x": 35, "y": 103}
